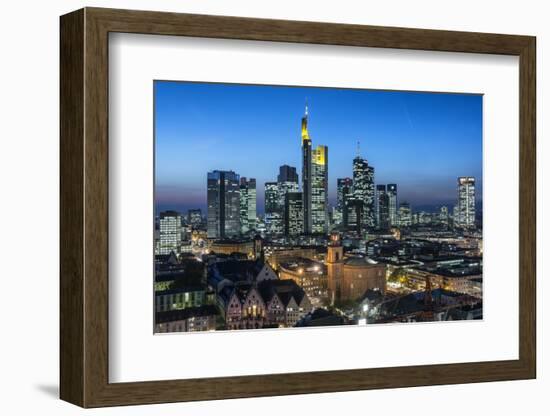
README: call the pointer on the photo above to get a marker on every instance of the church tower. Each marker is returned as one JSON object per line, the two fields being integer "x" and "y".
{"x": 335, "y": 267}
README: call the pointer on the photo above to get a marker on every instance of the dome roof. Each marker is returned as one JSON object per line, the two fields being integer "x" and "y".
{"x": 359, "y": 262}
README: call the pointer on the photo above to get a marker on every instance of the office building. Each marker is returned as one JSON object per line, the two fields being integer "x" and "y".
{"x": 363, "y": 190}
{"x": 294, "y": 213}
{"x": 223, "y": 197}
{"x": 466, "y": 202}
{"x": 319, "y": 190}
{"x": 382, "y": 208}
{"x": 306, "y": 174}
{"x": 391, "y": 190}
{"x": 194, "y": 218}
{"x": 405, "y": 215}
{"x": 169, "y": 232}
{"x": 287, "y": 174}
{"x": 274, "y": 209}
{"x": 344, "y": 186}
{"x": 247, "y": 192}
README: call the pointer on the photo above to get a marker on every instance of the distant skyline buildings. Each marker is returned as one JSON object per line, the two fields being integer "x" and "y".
{"x": 423, "y": 152}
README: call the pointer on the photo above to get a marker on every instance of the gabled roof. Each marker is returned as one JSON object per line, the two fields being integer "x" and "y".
{"x": 239, "y": 270}
{"x": 284, "y": 289}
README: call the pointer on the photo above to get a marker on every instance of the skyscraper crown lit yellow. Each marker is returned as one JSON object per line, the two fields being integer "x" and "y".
{"x": 305, "y": 133}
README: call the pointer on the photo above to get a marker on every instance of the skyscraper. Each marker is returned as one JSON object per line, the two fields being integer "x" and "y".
{"x": 274, "y": 208}
{"x": 306, "y": 174}
{"x": 405, "y": 215}
{"x": 353, "y": 213}
{"x": 444, "y": 216}
{"x": 247, "y": 192}
{"x": 391, "y": 190}
{"x": 382, "y": 208}
{"x": 466, "y": 202}
{"x": 344, "y": 186}
{"x": 223, "y": 198}
{"x": 363, "y": 189}
{"x": 170, "y": 232}
{"x": 194, "y": 218}
{"x": 294, "y": 213}
{"x": 287, "y": 174}
{"x": 319, "y": 190}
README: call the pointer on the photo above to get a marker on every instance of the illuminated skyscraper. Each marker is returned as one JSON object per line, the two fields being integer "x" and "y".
{"x": 344, "y": 187}
{"x": 391, "y": 190}
{"x": 382, "y": 208}
{"x": 444, "y": 216}
{"x": 353, "y": 213}
{"x": 170, "y": 232}
{"x": 194, "y": 218}
{"x": 306, "y": 174}
{"x": 274, "y": 209}
{"x": 247, "y": 190}
{"x": 294, "y": 213}
{"x": 319, "y": 190}
{"x": 466, "y": 202}
{"x": 223, "y": 197}
{"x": 405, "y": 215}
{"x": 363, "y": 189}
{"x": 314, "y": 183}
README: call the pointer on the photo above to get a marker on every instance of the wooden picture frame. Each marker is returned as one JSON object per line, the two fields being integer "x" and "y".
{"x": 84, "y": 207}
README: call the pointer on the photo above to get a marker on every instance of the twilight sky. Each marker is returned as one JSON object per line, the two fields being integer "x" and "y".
{"x": 421, "y": 141}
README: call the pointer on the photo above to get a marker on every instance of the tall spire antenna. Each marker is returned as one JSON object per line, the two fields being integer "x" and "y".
{"x": 358, "y": 148}
{"x": 306, "y": 108}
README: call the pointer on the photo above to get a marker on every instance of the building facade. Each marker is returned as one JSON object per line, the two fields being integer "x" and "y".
{"x": 363, "y": 190}
{"x": 223, "y": 198}
{"x": 466, "y": 202}
{"x": 306, "y": 174}
{"x": 405, "y": 215}
{"x": 247, "y": 195}
{"x": 382, "y": 208}
{"x": 391, "y": 190}
{"x": 319, "y": 190}
{"x": 169, "y": 232}
{"x": 294, "y": 213}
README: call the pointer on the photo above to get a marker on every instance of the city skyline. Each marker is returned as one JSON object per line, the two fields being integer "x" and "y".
{"x": 208, "y": 120}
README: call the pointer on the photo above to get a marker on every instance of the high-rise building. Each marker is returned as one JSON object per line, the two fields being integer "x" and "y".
{"x": 223, "y": 197}
{"x": 363, "y": 190}
{"x": 466, "y": 202}
{"x": 306, "y": 173}
{"x": 405, "y": 215}
{"x": 319, "y": 190}
{"x": 287, "y": 181}
{"x": 169, "y": 232}
{"x": 391, "y": 190}
{"x": 287, "y": 174}
{"x": 314, "y": 182}
{"x": 294, "y": 213}
{"x": 344, "y": 186}
{"x": 382, "y": 208}
{"x": 444, "y": 215}
{"x": 247, "y": 192}
{"x": 194, "y": 218}
{"x": 274, "y": 209}
{"x": 353, "y": 213}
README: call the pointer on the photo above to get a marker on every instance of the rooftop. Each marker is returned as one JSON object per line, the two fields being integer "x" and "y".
{"x": 180, "y": 314}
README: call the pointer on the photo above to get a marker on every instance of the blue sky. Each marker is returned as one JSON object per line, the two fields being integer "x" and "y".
{"x": 421, "y": 141}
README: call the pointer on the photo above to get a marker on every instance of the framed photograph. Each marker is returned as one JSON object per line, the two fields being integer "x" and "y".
{"x": 257, "y": 207}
